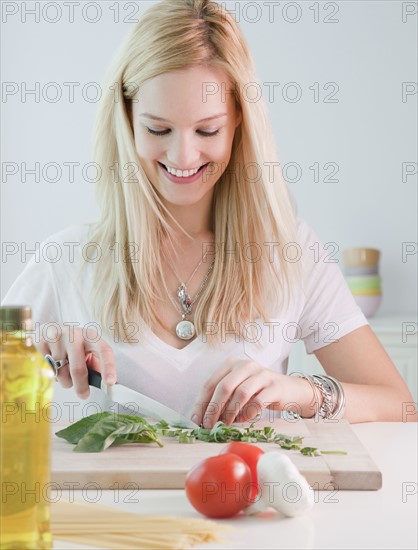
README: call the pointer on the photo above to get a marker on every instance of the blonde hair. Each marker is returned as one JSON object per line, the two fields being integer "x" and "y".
{"x": 177, "y": 34}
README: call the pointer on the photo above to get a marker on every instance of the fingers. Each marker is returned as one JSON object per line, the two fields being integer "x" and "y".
{"x": 64, "y": 378}
{"x": 252, "y": 410}
{"x": 244, "y": 403}
{"x": 57, "y": 349}
{"x": 78, "y": 366}
{"x": 207, "y": 391}
{"x": 228, "y": 391}
{"x": 107, "y": 363}
{"x": 99, "y": 356}
{"x": 270, "y": 396}
{"x": 83, "y": 350}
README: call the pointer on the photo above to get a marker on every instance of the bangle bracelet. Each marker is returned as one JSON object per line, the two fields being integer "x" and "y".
{"x": 336, "y": 395}
{"x": 339, "y": 408}
{"x": 328, "y": 393}
{"x": 333, "y": 402}
{"x": 315, "y": 393}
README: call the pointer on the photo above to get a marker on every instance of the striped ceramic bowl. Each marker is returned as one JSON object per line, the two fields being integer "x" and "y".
{"x": 364, "y": 284}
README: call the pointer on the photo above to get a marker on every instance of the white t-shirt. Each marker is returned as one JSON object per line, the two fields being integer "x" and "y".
{"x": 323, "y": 312}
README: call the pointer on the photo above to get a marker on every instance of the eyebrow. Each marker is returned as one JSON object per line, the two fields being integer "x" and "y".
{"x": 154, "y": 117}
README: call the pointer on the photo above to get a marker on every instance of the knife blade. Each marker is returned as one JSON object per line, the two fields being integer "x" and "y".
{"x": 139, "y": 403}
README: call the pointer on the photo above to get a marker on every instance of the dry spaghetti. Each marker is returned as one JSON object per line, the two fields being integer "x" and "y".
{"x": 98, "y": 526}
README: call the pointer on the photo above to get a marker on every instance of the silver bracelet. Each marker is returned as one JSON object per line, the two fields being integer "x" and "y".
{"x": 339, "y": 408}
{"x": 309, "y": 378}
{"x": 333, "y": 403}
{"x": 328, "y": 393}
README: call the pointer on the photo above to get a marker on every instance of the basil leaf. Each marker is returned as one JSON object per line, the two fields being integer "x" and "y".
{"x": 143, "y": 436}
{"x": 76, "y": 431}
{"x": 104, "y": 433}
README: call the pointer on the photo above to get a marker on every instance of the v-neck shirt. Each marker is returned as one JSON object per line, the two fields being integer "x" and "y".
{"x": 322, "y": 312}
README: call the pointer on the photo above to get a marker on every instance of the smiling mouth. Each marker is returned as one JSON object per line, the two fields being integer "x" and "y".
{"x": 165, "y": 168}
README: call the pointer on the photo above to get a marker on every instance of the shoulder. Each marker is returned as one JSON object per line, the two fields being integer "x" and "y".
{"x": 69, "y": 245}
{"x": 306, "y": 234}
{"x": 77, "y": 233}
{"x": 316, "y": 256}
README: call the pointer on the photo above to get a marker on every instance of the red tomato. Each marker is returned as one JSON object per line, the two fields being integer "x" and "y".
{"x": 250, "y": 454}
{"x": 218, "y": 486}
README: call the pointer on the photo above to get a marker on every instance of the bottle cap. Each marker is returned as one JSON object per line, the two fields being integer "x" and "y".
{"x": 15, "y": 318}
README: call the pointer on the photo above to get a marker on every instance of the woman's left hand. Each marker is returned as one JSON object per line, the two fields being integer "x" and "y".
{"x": 239, "y": 390}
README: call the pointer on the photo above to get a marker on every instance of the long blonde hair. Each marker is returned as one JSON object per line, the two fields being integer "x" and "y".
{"x": 247, "y": 212}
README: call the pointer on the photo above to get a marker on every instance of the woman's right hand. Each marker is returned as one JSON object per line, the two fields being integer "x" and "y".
{"x": 84, "y": 349}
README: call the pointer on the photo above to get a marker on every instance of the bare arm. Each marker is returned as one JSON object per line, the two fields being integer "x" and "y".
{"x": 374, "y": 389}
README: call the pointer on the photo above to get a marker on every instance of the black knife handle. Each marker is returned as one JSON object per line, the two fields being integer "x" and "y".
{"x": 94, "y": 378}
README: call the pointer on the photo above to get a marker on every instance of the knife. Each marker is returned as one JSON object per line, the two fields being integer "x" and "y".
{"x": 139, "y": 403}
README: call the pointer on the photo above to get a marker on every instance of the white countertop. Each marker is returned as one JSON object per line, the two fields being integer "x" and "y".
{"x": 381, "y": 520}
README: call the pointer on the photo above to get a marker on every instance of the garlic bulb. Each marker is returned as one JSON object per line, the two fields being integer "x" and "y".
{"x": 282, "y": 487}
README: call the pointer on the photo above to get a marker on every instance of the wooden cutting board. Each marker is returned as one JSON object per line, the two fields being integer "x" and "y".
{"x": 147, "y": 466}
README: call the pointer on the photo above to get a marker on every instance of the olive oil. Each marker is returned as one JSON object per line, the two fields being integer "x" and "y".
{"x": 25, "y": 438}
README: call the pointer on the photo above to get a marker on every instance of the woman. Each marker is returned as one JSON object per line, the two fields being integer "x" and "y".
{"x": 199, "y": 276}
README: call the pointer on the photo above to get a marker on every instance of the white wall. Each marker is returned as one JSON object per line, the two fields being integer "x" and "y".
{"x": 369, "y": 132}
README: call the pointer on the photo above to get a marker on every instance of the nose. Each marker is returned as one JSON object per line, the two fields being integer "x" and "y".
{"x": 183, "y": 152}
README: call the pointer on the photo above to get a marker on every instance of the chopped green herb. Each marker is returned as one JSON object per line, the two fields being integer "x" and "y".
{"x": 333, "y": 452}
{"x": 310, "y": 451}
{"x": 99, "y": 431}
{"x": 313, "y": 451}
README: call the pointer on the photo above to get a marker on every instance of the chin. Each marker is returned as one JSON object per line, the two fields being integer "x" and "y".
{"x": 187, "y": 201}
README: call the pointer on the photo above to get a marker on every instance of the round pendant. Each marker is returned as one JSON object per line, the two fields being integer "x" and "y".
{"x": 185, "y": 330}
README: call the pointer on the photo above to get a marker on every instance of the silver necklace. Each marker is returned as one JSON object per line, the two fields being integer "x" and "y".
{"x": 182, "y": 289}
{"x": 185, "y": 329}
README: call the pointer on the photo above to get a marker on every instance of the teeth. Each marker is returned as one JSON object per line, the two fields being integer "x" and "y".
{"x": 181, "y": 173}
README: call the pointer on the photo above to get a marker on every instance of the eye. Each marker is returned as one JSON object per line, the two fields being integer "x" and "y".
{"x": 165, "y": 132}
{"x": 157, "y": 132}
{"x": 208, "y": 134}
